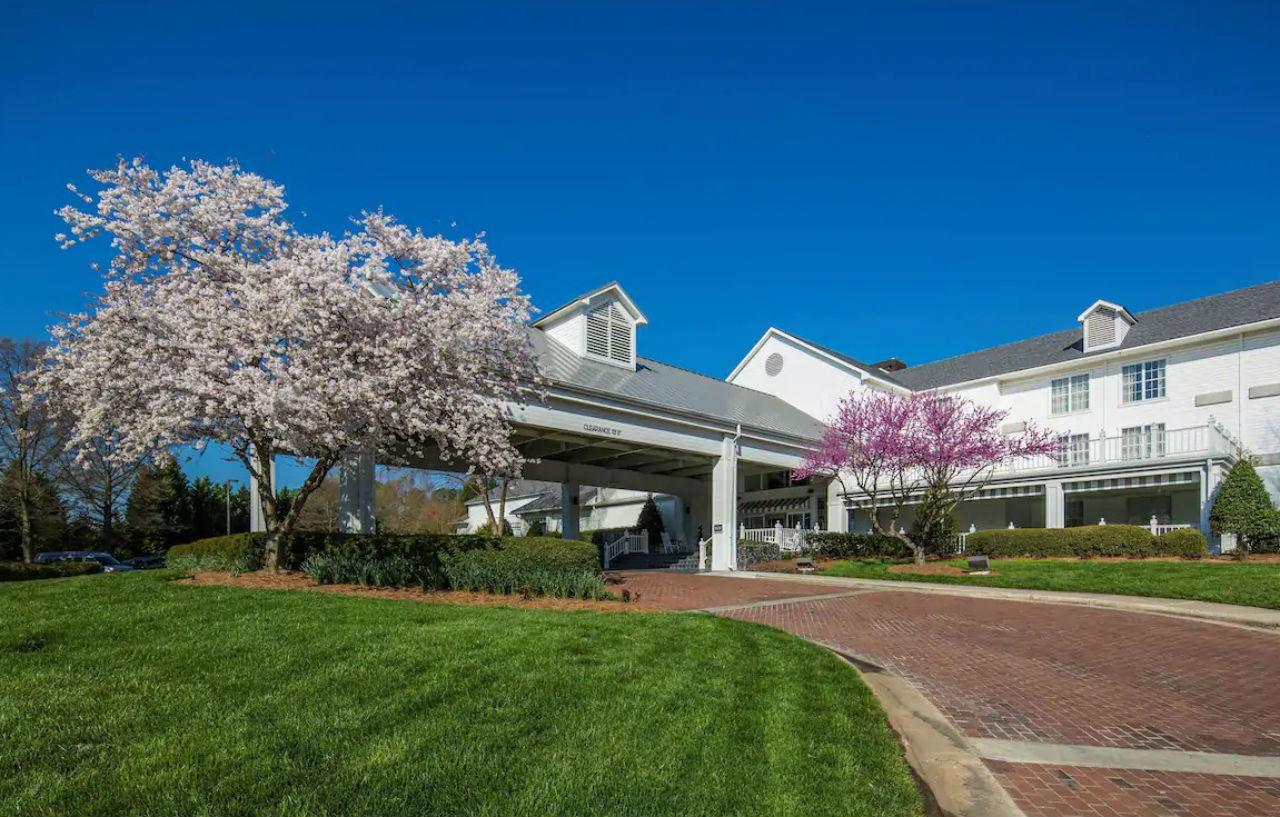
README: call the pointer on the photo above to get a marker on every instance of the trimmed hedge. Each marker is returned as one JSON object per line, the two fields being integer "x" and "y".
{"x": 1186, "y": 543}
{"x": 21, "y": 571}
{"x": 544, "y": 564}
{"x": 835, "y": 545}
{"x": 1086, "y": 542}
{"x": 751, "y": 554}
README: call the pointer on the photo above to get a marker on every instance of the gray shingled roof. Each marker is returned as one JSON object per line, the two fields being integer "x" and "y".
{"x": 669, "y": 387}
{"x": 1237, "y": 308}
{"x": 550, "y": 501}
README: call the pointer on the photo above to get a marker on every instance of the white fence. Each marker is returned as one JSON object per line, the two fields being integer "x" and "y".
{"x": 787, "y": 539}
{"x": 626, "y": 543}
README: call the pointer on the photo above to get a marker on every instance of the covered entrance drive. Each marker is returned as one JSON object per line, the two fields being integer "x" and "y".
{"x": 613, "y": 419}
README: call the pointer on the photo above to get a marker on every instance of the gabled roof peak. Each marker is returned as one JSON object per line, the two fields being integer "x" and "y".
{"x": 613, "y": 288}
{"x": 1114, "y": 307}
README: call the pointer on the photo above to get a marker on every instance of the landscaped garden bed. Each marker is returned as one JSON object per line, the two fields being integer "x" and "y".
{"x": 231, "y": 701}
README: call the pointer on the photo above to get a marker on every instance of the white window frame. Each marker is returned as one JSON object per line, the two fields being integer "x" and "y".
{"x": 1142, "y": 442}
{"x": 1150, "y": 377}
{"x": 1074, "y": 391}
{"x": 1073, "y": 450}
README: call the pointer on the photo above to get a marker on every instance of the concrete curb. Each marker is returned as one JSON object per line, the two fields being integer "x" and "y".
{"x": 1202, "y": 610}
{"x": 943, "y": 759}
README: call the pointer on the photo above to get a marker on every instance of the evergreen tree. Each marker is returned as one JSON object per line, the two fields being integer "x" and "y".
{"x": 158, "y": 512}
{"x": 650, "y": 519}
{"x": 47, "y": 515}
{"x": 1243, "y": 507}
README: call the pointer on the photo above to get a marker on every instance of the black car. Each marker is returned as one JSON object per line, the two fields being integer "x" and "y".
{"x": 109, "y": 563}
{"x": 152, "y": 562}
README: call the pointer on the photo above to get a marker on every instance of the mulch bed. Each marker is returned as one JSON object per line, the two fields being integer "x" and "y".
{"x": 789, "y": 565}
{"x": 293, "y": 580}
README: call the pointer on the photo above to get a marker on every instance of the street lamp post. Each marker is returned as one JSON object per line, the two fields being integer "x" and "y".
{"x": 229, "y": 504}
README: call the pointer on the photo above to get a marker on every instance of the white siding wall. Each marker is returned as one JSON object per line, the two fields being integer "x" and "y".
{"x": 568, "y": 331}
{"x": 810, "y": 382}
{"x": 815, "y": 384}
{"x": 476, "y": 516}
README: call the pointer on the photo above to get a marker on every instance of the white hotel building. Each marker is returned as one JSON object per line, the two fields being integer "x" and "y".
{"x": 1153, "y": 407}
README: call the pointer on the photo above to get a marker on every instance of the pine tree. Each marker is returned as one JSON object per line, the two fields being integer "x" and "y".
{"x": 158, "y": 511}
{"x": 1243, "y": 507}
{"x": 650, "y": 519}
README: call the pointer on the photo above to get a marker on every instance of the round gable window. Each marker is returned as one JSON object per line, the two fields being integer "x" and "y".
{"x": 773, "y": 364}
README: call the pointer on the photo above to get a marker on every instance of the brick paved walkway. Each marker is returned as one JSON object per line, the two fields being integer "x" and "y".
{"x": 666, "y": 590}
{"x": 1053, "y": 674}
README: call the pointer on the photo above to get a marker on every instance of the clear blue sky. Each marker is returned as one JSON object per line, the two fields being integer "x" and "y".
{"x": 909, "y": 179}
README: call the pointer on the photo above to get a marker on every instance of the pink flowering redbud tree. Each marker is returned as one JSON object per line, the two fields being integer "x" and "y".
{"x": 221, "y": 321}
{"x": 927, "y": 448}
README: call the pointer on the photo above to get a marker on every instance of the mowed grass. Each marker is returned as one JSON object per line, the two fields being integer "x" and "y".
{"x": 132, "y": 695}
{"x": 1256, "y": 584}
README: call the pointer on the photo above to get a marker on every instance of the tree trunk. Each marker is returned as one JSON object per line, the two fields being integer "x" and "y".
{"x": 24, "y": 530}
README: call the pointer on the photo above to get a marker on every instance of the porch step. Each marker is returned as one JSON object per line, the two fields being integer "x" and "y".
{"x": 688, "y": 564}
{"x": 646, "y": 561}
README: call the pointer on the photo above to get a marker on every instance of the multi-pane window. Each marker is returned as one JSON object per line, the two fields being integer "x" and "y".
{"x": 1142, "y": 442}
{"x": 1143, "y": 381}
{"x": 1068, "y": 394}
{"x": 1073, "y": 449}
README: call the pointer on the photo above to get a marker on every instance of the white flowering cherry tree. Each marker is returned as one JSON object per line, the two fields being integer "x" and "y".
{"x": 220, "y": 321}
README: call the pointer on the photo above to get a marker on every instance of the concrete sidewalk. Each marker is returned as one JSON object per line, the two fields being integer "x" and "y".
{"x": 1204, "y": 610}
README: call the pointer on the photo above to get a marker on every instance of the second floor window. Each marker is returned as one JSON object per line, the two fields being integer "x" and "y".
{"x": 1142, "y": 442}
{"x": 1073, "y": 449}
{"x": 1143, "y": 381}
{"x": 1068, "y": 394}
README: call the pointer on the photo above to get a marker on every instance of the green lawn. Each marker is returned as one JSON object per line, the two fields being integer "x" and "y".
{"x": 1256, "y": 584}
{"x": 129, "y": 695}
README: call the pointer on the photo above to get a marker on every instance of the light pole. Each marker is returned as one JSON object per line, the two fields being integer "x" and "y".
{"x": 229, "y": 504}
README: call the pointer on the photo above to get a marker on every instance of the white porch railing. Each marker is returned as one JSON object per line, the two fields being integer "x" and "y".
{"x": 787, "y": 539}
{"x": 624, "y": 544}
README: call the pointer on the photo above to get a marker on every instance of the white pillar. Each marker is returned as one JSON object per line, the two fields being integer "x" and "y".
{"x": 724, "y": 507}
{"x": 1055, "y": 510}
{"x": 356, "y": 498}
{"x": 569, "y": 509}
{"x": 258, "y": 519}
{"x": 1208, "y": 489}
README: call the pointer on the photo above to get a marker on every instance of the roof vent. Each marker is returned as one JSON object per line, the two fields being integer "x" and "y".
{"x": 773, "y": 365}
{"x": 600, "y": 325}
{"x": 1105, "y": 325}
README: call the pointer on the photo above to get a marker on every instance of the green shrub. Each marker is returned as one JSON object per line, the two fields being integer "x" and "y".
{"x": 532, "y": 566}
{"x": 1185, "y": 543}
{"x": 751, "y": 554}
{"x": 387, "y": 560}
{"x": 21, "y": 571}
{"x": 650, "y": 519}
{"x": 216, "y": 553}
{"x": 836, "y": 545}
{"x": 1085, "y": 542}
{"x": 1243, "y": 507}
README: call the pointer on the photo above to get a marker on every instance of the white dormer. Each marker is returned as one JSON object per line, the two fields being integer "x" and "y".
{"x": 600, "y": 325}
{"x": 1105, "y": 325}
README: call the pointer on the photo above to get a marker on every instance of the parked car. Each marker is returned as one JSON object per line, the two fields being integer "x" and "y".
{"x": 109, "y": 563}
{"x": 152, "y": 562}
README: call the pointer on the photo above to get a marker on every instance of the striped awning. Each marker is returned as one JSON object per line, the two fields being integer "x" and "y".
{"x": 998, "y": 492}
{"x": 780, "y": 505}
{"x": 1141, "y": 481}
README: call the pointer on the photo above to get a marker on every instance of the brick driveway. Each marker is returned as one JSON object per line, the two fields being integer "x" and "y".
{"x": 1056, "y": 674}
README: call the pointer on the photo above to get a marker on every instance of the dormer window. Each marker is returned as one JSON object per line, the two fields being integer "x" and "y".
{"x": 610, "y": 335}
{"x": 1105, "y": 325}
{"x": 599, "y": 325}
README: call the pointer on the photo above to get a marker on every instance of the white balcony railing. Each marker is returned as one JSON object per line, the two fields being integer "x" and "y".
{"x": 1147, "y": 446}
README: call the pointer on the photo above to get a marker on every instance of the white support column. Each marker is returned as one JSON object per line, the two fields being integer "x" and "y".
{"x": 1209, "y": 479}
{"x": 258, "y": 519}
{"x": 356, "y": 498}
{"x": 1055, "y": 506}
{"x": 569, "y": 509}
{"x": 724, "y": 507}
